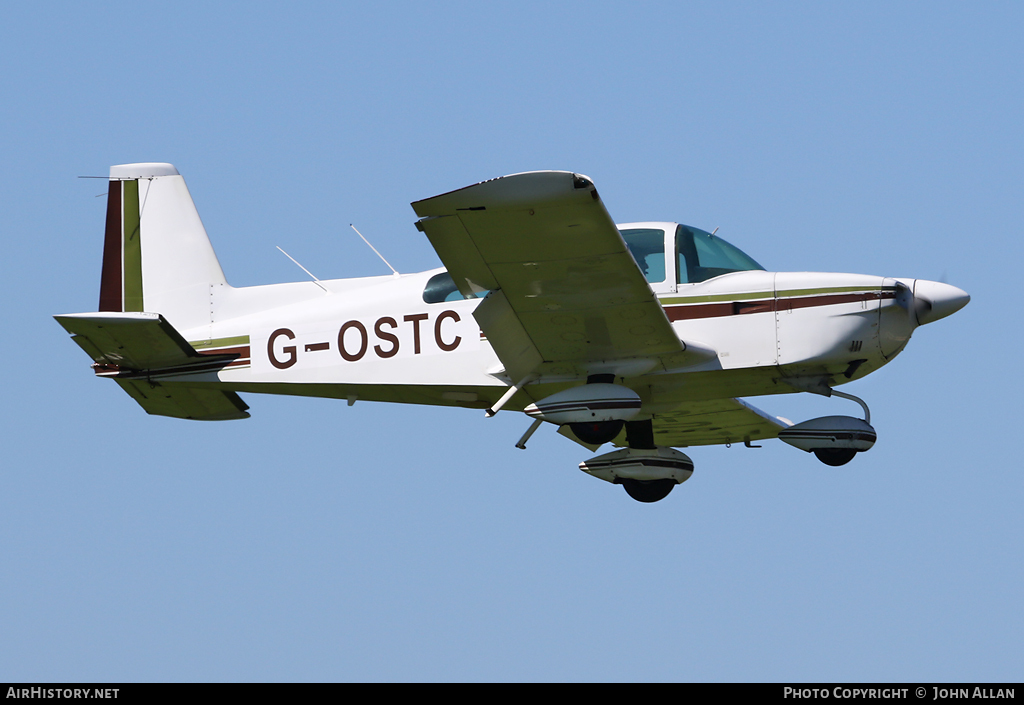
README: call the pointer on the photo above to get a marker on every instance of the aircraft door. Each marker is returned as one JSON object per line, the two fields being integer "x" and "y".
{"x": 727, "y": 299}
{"x": 733, "y": 314}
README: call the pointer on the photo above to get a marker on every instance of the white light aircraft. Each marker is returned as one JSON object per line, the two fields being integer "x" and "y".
{"x": 642, "y": 335}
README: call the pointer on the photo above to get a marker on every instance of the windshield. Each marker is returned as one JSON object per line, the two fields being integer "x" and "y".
{"x": 703, "y": 256}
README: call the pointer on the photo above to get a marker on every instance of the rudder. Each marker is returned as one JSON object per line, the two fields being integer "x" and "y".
{"x": 157, "y": 256}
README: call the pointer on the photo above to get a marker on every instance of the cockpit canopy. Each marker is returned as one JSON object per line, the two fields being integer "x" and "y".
{"x": 441, "y": 287}
{"x": 699, "y": 256}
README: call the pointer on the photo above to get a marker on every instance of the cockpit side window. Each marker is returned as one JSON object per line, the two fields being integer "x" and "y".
{"x": 703, "y": 256}
{"x": 441, "y": 287}
{"x": 648, "y": 249}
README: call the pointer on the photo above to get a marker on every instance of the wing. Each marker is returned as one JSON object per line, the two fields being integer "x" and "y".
{"x": 714, "y": 422}
{"x": 565, "y": 293}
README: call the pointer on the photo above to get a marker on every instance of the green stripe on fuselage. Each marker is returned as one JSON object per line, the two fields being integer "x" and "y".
{"x": 714, "y": 298}
{"x": 132, "y": 248}
{"x": 783, "y": 294}
{"x": 220, "y": 342}
{"x": 789, "y": 293}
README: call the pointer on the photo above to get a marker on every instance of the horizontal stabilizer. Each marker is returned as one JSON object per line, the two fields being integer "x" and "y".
{"x": 134, "y": 347}
{"x": 185, "y": 402}
{"x": 130, "y": 341}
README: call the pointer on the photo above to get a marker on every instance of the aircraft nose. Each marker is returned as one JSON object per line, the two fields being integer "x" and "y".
{"x": 935, "y": 300}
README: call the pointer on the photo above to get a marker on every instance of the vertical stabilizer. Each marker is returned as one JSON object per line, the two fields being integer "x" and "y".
{"x": 156, "y": 254}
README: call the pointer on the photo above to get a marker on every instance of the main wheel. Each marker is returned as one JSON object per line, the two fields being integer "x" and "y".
{"x": 648, "y": 490}
{"x": 596, "y": 432}
{"x": 835, "y": 456}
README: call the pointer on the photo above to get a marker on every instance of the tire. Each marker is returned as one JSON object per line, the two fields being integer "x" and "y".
{"x": 596, "y": 432}
{"x": 835, "y": 456}
{"x": 648, "y": 490}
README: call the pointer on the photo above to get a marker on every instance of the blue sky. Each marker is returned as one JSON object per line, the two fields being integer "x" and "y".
{"x": 320, "y": 542}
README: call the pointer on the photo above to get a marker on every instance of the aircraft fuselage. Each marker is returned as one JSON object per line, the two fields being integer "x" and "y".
{"x": 366, "y": 338}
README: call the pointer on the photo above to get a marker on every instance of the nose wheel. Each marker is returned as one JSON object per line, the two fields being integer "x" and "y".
{"x": 834, "y": 440}
{"x": 835, "y": 456}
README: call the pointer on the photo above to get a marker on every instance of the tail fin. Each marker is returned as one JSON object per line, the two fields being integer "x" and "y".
{"x": 156, "y": 254}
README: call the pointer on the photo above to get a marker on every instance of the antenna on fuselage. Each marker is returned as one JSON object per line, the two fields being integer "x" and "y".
{"x": 375, "y": 251}
{"x": 315, "y": 280}
{"x": 714, "y": 231}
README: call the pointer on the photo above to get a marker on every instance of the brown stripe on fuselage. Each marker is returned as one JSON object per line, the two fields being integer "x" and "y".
{"x": 685, "y": 312}
{"x": 110, "y": 280}
{"x": 241, "y": 350}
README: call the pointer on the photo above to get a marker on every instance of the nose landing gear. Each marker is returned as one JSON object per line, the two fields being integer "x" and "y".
{"x": 834, "y": 456}
{"x": 834, "y": 440}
